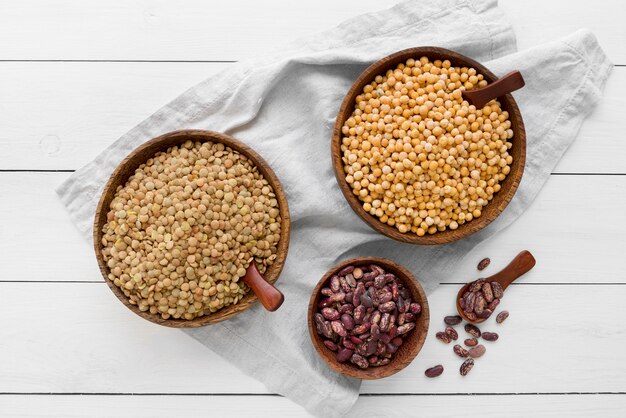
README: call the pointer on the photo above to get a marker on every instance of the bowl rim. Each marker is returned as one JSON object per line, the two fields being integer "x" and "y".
{"x": 440, "y": 237}
{"x": 127, "y": 167}
{"x": 396, "y": 364}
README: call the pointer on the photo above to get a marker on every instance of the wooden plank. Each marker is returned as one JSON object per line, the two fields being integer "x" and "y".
{"x": 41, "y": 241}
{"x": 233, "y": 30}
{"x": 64, "y": 119}
{"x": 556, "y": 340}
{"x": 58, "y": 406}
{"x": 83, "y": 340}
{"x": 509, "y": 406}
{"x": 572, "y": 406}
{"x": 156, "y": 30}
{"x": 539, "y": 21}
{"x": 62, "y": 115}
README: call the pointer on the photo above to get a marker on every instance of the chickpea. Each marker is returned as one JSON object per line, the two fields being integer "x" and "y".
{"x": 418, "y": 156}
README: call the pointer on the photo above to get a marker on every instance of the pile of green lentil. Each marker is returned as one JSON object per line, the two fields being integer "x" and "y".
{"x": 184, "y": 228}
{"x": 417, "y": 155}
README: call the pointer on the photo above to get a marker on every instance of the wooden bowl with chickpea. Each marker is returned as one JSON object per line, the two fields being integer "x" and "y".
{"x": 187, "y": 224}
{"x": 415, "y": 159}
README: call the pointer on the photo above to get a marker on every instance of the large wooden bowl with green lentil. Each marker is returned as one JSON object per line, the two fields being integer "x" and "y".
{"x": 141, "y": 155}
{"x": 498, "y": 200}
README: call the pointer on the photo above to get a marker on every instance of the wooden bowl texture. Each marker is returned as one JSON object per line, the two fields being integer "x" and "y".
{"x": 413, "y": 342}
{"x": 127, "y": 168}
{"x": 508, "y": 187}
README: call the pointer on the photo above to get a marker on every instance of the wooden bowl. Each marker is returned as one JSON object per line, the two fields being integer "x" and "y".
{"x": 413, "y": 342}
{"x": 508, "y": 187}
{"x": 127, "y": 168}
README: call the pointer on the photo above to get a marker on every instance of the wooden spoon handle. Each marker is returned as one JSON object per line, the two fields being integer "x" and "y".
{"x": 480, "y": 97}
{"x": 521, "y": 264}
{"x": 270, "y": 297}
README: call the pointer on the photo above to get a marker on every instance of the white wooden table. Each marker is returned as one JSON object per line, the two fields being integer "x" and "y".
{"x": 77, "y": 74}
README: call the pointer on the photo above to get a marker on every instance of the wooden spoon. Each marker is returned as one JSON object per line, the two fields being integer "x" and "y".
{"x": 270, "y": 296}
{"x": 521, "y": 264}
{"x": 505, "y": 85}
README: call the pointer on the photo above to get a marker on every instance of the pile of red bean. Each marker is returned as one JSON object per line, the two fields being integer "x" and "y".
{"x": 481, "y": 299}
{"x": 364, "y": 315}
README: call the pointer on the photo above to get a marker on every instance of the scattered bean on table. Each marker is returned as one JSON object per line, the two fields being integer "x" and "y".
{"x": 483, "y": 264}
{"x": 434, "y": 371}
{"x": 502, "y": 316}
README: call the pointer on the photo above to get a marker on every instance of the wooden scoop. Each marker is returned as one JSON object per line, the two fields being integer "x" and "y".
{"x": 270, "y": 296}
{"x": 507, "y": 84}
{"x": 521, "y": 264}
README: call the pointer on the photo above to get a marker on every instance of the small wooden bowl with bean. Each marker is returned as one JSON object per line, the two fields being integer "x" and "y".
{"x": 382, "y": 276}
{"x": 258, "y": 170}
{"x": 399, "y": 146}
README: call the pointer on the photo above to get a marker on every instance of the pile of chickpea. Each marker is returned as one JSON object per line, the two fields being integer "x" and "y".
{"x": 417, "y": 155}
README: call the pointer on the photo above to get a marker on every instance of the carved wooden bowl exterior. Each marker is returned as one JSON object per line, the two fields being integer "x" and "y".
{"x": 413, "y": 342}
{"x": 508, "y": 187}
{"x": 146, "y": 151}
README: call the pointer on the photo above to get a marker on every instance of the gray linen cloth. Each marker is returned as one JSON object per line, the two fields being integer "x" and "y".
{"x": 285, "y": 105}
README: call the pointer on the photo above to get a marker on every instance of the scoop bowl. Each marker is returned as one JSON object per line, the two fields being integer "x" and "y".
{"x": 521, "y": 264}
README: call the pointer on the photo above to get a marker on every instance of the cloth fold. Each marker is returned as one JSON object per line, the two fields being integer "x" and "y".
{"x": 285, "y": 105}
